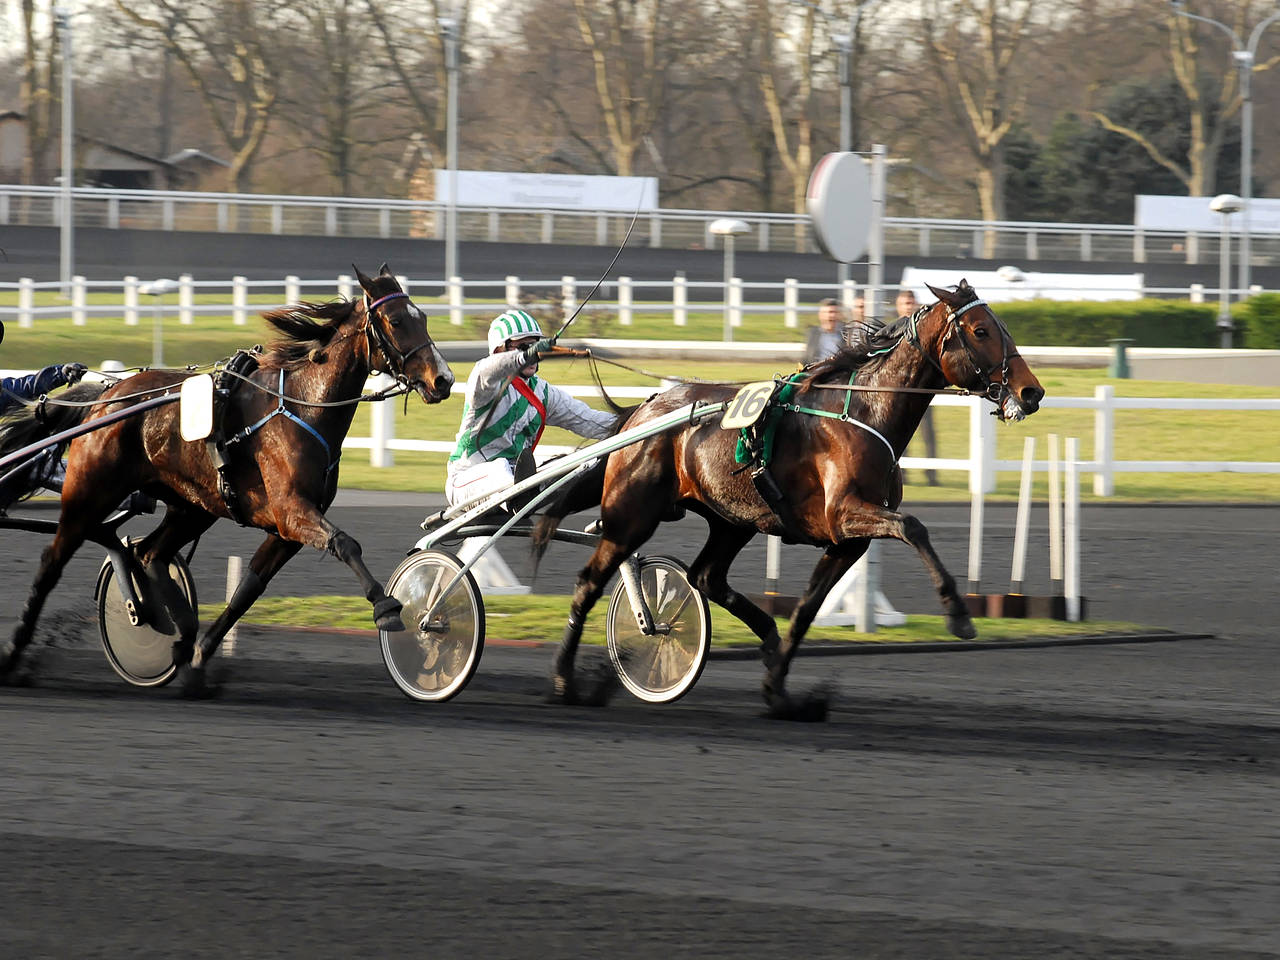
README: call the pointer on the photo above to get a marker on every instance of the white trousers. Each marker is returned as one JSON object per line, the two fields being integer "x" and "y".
{"x": 470, "y": 483}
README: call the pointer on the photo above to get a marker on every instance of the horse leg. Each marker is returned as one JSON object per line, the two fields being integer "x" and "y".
{"x": 608, "y": 556}
{"x": 154, "y": 553}
{"x": 302, "y": 523}
{"x": 709, "y": 573}
{"x": 880, "y": 522}
{"x": 52, "y": 561}
{"x": 267, "y": 560}
{"x": 833, "y": 565}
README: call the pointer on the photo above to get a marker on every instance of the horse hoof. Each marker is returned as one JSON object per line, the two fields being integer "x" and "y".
{"x": 195, "y": 684}
{"x": 961, "y": 625}
{"x": 386, "y": 615}
{"x": 563, "y": 690}
{"x": 812, "y": 708}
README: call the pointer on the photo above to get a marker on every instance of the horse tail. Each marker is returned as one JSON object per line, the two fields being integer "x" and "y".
{"x": 582, "y": 493}
{"x": 34, "y": 423}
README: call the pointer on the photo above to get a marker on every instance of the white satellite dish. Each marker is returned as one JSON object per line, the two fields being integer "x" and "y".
{"x": 839, "y": 202}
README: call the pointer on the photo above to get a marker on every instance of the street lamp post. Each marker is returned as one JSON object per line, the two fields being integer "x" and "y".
{"x": 449, "y": 29}
{"x": 62, "y": 15}
{"x": 157, "y": 289}
{"x": 1243, "y": 54}
{"x": 1225, "y": 204}
{"x": 728, "y": 228}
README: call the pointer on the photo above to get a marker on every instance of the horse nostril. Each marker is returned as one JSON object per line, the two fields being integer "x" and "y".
{"x": 444, "y": 383}
{"x": 1031, "y": 397}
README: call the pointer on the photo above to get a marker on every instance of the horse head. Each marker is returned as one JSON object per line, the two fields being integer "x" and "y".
{"x": 398, "y": 338}
{"x": 976, "y": 352}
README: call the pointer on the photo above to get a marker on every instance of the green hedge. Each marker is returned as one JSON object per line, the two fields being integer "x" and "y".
{"x": 1148, "y": 323}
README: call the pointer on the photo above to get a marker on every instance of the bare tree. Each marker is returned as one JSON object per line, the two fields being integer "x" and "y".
{"x": 36, "y": 95}
{"x": 227, "y": 48}
{"x": 974, "y": 50}
{"x": 1210, "y": 83}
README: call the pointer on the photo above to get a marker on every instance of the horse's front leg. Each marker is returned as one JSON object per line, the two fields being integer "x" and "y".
{"x": 879, "y": 523}
{"x": 306, "y": 525}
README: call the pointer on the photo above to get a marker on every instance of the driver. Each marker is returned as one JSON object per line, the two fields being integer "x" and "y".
{"x": 507, "y": 406}
{"x": 14, "y": 390}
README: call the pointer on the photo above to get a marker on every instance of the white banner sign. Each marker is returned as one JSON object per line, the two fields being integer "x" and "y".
{"x": 482, "y": 188}
{"x": 1193, "y": 214}
{"x": 1011, "y": 283}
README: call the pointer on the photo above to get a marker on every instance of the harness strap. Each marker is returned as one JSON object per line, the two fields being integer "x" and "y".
{"x": 282, "y": 411}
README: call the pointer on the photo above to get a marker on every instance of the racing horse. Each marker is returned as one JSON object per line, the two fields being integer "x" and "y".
{"x": 834, "y": 464}
{"x": 285, "y": 422}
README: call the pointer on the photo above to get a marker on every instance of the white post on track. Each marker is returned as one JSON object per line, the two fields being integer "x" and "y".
{"x": 1055, "y": 516}
{"x": 1023, "y": 520}
{"x": 975, "y": 541}
{"x": 1071, "y": 540}
{"x": 234, "y": 565}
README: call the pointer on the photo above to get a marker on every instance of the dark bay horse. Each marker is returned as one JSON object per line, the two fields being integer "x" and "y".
{"x": 838, "y": 475}
{"x": 285, "y": 423}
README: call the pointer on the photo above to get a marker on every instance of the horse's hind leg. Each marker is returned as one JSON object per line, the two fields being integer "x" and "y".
{"x": 52, "y": 561}
{"x": 180, "y": 526}
{"x": 709, "y": 573}
{"x": 833, "y": 565}
{"x": 267, "y": 560}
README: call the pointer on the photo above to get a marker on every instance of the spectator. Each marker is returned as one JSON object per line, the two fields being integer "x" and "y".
{"x": 826, "y": 338}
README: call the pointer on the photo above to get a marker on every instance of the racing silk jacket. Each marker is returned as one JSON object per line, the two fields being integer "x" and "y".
{"x": 29, "y": 387}
{"x": 499, "y": 421}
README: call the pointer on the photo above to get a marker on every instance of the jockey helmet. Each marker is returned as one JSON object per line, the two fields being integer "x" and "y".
{"x": 512, "y": 325}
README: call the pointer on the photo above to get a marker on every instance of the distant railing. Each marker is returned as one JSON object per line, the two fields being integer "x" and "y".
{"x": 673, "y": 228}
{"x": 621, "y": 296}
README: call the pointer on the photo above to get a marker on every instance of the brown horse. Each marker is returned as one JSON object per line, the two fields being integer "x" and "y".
{"x": 838, "y": 475}
{"x": 284, "y": 424}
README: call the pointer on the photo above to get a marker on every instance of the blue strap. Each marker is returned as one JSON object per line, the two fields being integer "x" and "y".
{"x": 280, "y": 410}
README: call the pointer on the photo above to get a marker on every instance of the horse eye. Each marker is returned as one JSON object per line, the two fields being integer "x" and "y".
{"x": 395, "y": 321}
{"x": 980, "y": 333}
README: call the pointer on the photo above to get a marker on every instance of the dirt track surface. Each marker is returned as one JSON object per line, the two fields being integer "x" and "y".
{"x": 1114, "y": 801}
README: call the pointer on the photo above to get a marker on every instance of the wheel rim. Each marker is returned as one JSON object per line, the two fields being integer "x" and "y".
{"x": 663, "y": 667}
{"x": 142, "y": 653}
{"x": 434, "y": 659}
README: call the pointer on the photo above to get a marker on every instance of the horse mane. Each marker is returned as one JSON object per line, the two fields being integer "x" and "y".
{"x": 848, "y": 361}
{"x": 307, "y": 329}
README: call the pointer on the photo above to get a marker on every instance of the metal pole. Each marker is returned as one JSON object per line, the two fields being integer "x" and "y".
{"x": 63, "y": 17}
{"x": 875, "y": 259}
{"x": 450, "y": 28}
{"x": 1224, "y": 282}
{"x": 728, "y": 276}
{"x": 1245, "y": 60}
{"x": 845, "y": 45}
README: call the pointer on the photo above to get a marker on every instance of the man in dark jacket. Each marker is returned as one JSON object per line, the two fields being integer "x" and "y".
{"x": 14, "y": 390}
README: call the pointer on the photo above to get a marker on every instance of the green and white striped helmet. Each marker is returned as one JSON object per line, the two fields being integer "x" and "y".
{"x": 514, "y": 324}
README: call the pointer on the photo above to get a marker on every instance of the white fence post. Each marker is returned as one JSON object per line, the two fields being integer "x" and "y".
{"x": 77, "y": 301}
{"x": 568, "y": 295}
{"x": 186, "y": 298}
{"x": 982, "y": 449}
{"x": 345, "y": 285}
{"x": 239, "y": 301}
{"x": 790, "y": 300}
{"x": 1071, "y": 531}
{"x": 455, "y": 301}
{"x": 292, "y": 289}
{"x": 680, "y": 300}
{"x": 26, "y": 301}
{"x": 513, "y": 291}
{"x": 382, "y": 424}
{"x": 848, "y": 293}
{"x": 735, "y": 301}
{"x": 1104, "y": 447}
{"x": 130, "y": 290}
{"x": 1196, "y": 293}
{"x": 624, "y": 301}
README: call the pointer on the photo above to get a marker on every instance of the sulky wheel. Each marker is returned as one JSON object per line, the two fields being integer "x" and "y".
{"x": 141, "y": 653}
{"x": 665, "y": 666}
{"x": 437, "y": 653}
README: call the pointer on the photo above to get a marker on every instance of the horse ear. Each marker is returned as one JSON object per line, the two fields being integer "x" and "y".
{"x": 365, "y": 281}
{"x": 385, "y": 271}
{"x": 963, "y": 286}
{"x": 946, "y": 296}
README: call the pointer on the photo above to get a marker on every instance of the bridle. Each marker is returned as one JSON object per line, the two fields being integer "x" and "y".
{"x": 377, "y": 338}
{"x": 995, "y": 390}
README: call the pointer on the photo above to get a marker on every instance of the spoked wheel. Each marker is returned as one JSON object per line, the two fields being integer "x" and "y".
{"x": 141, "y": 653}
{"x": 437, "y": 653}
{"x": 665, "y": 666}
